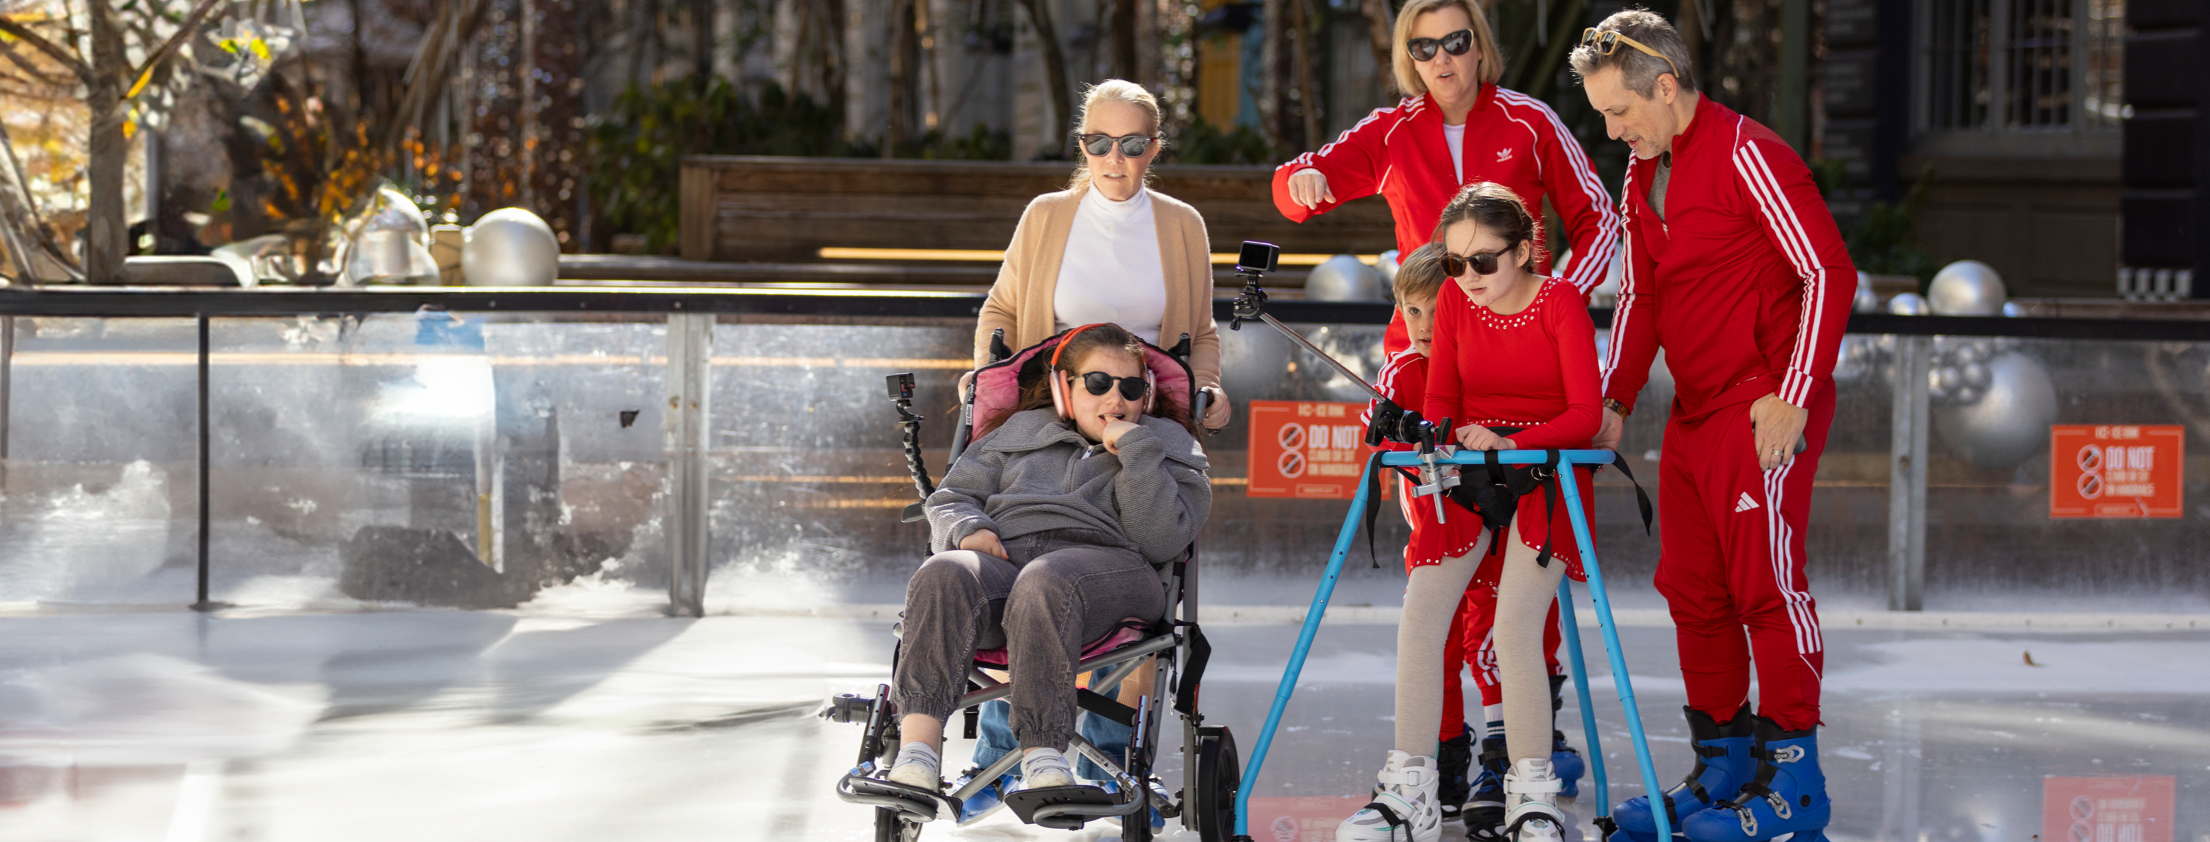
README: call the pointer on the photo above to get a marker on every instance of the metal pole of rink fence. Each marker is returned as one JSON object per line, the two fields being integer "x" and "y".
{"x": 1579, "y": 517}
{"x": 1907, "y": 475}
{"x": 690, "y": 378}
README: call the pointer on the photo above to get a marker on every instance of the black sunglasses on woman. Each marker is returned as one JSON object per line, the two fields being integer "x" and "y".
{"x": 1456, "y": 43}
{"x": 1101, "y": 145}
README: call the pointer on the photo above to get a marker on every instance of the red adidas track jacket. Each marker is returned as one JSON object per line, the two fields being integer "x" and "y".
{"x": 1744, "y": 281}
{"x": 1511, "y": 138}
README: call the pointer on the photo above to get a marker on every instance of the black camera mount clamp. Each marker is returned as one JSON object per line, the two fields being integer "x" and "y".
{"x": 901, "y": 396}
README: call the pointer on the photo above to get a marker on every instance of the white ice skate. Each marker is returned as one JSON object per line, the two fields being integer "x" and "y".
{"x": 1404, "y": 809}
{"x": 1531, "y": 803}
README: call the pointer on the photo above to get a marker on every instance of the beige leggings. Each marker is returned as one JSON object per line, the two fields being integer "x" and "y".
{"x": 1523, "y": 595}
{"x": 1431, "y": 598}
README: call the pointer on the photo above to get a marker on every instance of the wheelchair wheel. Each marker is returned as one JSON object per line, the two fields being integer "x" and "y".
{"x": 892, "y": 827}
{"x": 1213, "y": 782}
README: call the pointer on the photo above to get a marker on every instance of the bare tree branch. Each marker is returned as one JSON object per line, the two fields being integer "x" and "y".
{"x": 185, "y": 31}
{"x": 24, "y": 64}
{"x": 68, "y": 60}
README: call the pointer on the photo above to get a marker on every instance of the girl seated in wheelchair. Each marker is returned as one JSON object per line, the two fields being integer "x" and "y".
{"x": 1047, "y": 533}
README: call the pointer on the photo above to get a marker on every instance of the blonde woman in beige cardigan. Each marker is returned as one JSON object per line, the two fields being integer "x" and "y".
{"x": 1110, "y": 249}
{"x": 1106, "y": 249}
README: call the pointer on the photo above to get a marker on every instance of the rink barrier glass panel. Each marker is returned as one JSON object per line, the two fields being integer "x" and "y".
{"x": 366, "y": 442}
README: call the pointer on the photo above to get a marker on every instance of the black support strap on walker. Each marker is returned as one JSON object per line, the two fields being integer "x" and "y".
{"x": 1373, "y": 498}
{"x": 1641, "y": 499}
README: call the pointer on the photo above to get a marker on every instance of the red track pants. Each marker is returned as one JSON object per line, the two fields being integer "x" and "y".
{"x": 1731, "y": 542}
{"x": 1472, "y": 644}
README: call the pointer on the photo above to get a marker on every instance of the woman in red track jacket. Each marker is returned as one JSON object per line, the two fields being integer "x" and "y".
{"x": 1405, "y": 152}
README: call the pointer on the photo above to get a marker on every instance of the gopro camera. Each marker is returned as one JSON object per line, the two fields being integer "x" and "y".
{"x": 1258, "y": 257}
{"x": 901, "y": 386}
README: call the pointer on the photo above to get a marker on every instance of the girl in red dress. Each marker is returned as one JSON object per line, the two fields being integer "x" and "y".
{"x": 1514, "y": 365}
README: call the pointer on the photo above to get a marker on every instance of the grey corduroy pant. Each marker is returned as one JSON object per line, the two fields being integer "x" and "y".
{"x": 1059, "y": 591}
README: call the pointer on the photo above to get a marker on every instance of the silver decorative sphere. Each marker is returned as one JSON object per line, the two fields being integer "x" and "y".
{"x": 510, "y": 247}
{"x": 1345, "y": 278}
{"x": 1387, "y": 266}
{"x": 1966, "y": 288}
{"x": 1867, "y": 301}
{"x": 1907, "y": 304}
{"x": 390, "y": 257}
{"x": 1254, "y": 361}
{"x": 391, "y": 210}
{"x": 2009, "y": 423}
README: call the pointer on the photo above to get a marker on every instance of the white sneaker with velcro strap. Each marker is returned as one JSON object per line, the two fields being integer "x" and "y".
{"x": 1531, "y": 803}
{"x": 1404, "y": 808}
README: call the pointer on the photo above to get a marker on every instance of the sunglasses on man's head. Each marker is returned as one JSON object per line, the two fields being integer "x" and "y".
{"x": 1482, "y": 264}
{"x": 1101, "y": 145}
{"x": 1098, "y": 383}
{"x": 1456, "y": 43}
{"x": 1607, "y": 41}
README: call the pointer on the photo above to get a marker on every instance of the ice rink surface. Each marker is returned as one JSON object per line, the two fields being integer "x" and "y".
{"x": 598, "y": 719}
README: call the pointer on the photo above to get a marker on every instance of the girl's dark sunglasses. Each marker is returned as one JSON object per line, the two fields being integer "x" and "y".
{"x": 1132, "y": 388}
{"x": 1483, "y": 263}
{"x": 1101, "y": 145}
{"x": 1456, "y": 43}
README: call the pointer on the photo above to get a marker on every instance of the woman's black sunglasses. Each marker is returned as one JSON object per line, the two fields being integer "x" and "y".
{"x": 1101, "y": 145}
{"x": 1483, "y": 263}
{"x": 1456, "y": 43}
{"x": 1132, "y": 388}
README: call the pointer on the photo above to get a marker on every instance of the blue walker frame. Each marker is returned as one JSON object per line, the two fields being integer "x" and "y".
{"x": 1620, "y": 681}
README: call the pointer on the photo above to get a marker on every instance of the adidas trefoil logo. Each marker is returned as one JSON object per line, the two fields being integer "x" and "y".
{"x": 1744, "y": 504}
{"x": 1503, "y": 155}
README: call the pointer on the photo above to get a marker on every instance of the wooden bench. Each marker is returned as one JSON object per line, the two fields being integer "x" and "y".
{"x": 758, "y": 208}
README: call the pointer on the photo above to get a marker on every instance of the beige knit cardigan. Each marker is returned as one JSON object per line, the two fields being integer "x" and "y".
{"x": 1021, "y": 300}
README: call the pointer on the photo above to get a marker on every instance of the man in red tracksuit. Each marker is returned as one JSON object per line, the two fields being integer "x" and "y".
{"x": 1735, "y": 268}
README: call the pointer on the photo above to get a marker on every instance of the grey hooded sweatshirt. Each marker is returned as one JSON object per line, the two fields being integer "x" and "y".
{"x": 1037, "y": 473}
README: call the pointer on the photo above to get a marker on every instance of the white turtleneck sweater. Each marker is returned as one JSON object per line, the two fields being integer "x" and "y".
{"x": 1111, "y": 272}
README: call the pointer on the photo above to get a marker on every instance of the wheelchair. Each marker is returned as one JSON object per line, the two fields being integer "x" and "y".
{"x": 1174, "y": 649}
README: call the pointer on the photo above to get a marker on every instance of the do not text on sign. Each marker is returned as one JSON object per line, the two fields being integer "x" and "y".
{"x": 2116, "y": 470}
{"x": 2118, "y": 809}
{"x": 1313, "y": 450}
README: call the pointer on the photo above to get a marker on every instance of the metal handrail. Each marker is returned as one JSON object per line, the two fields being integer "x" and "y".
{"x": 185, "y": 302}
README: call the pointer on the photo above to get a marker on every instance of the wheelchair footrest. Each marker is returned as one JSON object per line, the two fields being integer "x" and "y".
{"x": 1065, "y": 807}
{"x": 915, "y": 803}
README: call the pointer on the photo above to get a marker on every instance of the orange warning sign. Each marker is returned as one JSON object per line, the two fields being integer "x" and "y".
{"x": 2116, "y": 470}
{"x": 2135, "y": 809}
{"x": 1310, "y": 818}
{"x": 1306, "y": 449}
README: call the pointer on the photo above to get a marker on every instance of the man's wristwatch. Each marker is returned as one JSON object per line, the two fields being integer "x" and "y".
{"x": 1614, "y": 405}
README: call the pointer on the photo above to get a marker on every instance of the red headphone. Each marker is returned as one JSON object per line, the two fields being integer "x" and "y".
{"x": 1059, "y": 398}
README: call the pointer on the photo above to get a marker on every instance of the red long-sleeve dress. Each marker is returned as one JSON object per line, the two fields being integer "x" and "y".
{"x": 1534, "y": 370}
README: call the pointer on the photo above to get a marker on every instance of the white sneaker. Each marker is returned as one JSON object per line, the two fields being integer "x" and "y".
{"x": 1404, "y": 809}
{"x": 1044, "y": 768}
{"x": 916, "y": 774}
{"x": 1531, "y": 802}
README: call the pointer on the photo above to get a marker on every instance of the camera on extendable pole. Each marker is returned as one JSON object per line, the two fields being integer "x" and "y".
{"x": 1390, "y": 422}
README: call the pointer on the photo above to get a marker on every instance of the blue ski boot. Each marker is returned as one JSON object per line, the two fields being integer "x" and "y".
{"x": 991, "y": 799}
{"x": 1786, "y": 801}
{"x": 1484, "y": 815}
{"x": 1565, "y": 762}
{"x": 1725, "y": 760}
